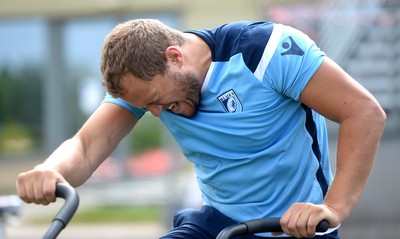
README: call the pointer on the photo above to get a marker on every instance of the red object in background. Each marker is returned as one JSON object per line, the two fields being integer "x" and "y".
{"x": 154, "y": 162}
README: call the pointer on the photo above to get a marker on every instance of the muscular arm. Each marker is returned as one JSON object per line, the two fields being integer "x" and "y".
{"x": 334, "y": 94}
{"x": 77, "y": 158}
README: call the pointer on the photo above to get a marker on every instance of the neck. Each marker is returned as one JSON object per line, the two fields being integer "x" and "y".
{"x": 198, "y": 54}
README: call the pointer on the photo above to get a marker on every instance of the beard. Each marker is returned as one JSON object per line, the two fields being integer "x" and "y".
{"x": 189, "y": 85}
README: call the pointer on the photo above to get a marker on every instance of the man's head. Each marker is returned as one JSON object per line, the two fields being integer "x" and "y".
{"x": 143, "y": 63}
{"x": 136, "y": 47}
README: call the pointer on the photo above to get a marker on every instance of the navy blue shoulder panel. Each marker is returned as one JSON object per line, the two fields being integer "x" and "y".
{"x": 248, "y": 38}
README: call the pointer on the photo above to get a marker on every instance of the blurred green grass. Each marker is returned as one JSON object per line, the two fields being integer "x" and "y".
{"x": 147, "y": 213}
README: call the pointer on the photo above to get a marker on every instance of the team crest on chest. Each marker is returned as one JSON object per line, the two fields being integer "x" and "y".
{"x": 230, "y": 102}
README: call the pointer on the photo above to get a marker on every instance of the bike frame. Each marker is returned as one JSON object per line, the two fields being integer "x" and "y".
{"x": 259, "y": 226}
{"x": 66, "y": 212}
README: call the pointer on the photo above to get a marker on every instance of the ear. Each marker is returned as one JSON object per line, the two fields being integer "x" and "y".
{"x": 174, "y": 55}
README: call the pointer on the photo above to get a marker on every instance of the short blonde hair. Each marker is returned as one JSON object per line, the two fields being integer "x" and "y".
{"x": 136, "y": 47}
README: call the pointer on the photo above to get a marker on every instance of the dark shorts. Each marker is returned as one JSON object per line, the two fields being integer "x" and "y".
{"x": 206, "y": 223}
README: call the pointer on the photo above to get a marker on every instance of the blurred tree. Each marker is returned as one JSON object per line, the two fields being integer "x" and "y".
{"x": 21, "y": 111}
{"x": 21, "y": 103}
{"x": 148, "y": 134}
{"x": 6, "y": 95}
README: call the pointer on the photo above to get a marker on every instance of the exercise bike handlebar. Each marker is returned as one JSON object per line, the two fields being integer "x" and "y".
{"x": 64, "y": 215}
{"x": 258, "y": 226}
{"x": 68, "y": 193}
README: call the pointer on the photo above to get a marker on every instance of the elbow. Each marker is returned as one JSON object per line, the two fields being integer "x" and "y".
{"x": 377, "y": 116}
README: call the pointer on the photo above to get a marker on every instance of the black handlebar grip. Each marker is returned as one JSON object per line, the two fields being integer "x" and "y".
{"x": 323, "y": 226}
{"x": 273, "y": 225}
{"x": 260, "y": 225}
{"x": 64, "y": 215}
{"x": 263, "y": 225}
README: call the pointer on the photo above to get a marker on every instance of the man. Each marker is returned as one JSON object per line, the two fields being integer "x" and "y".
{"x": 245, "y": 102}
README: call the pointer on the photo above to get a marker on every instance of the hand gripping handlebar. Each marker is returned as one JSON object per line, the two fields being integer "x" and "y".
{"x": 64, "y": 215}
{"x": 258, "y": 226}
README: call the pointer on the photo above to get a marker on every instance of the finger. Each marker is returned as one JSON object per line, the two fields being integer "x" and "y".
{"x": 21, "y": 188}
{"x": 311, "y": 227}
{"x": 292, "y": 225}
{"x": 288, "y": 220}
{"x": 284, "y": 221}
{"x": 315, "y": 217}
{"x": 49, "y": 190}
{"x": 29, "y": 186}
{"x": 304, "y": 223}
{"x": 294, "y": 221}
{"x": 30, "y": 193}
{"x": 47, "y": 187}
{"x": 309, "y": 216}
{"x": 37, "y": 191}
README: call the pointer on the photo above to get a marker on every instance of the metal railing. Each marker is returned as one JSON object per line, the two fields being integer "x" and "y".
{"x": 342, "y": 24}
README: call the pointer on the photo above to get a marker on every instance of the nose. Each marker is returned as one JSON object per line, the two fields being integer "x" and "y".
{"x": 155, "y": 109}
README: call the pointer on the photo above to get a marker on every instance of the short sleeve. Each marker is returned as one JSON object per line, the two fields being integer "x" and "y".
{"x": 137, "y": 112}
{"x": 293, "y": 63}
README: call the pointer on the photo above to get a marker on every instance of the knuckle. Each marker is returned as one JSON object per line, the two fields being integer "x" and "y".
{"x": 291, "y": 226}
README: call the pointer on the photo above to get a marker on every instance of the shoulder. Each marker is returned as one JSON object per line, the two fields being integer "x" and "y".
{"x": 236, "y": 37}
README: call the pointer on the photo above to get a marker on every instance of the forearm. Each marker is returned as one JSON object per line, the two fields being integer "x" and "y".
{"x": 358, "y": 142}
{"x": 68, "y": 159}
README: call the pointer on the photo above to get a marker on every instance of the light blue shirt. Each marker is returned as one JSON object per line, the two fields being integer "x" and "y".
{"x": 255, "y": 147}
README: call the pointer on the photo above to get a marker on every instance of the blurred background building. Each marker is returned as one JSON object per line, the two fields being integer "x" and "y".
{"x": 50, "y": 83}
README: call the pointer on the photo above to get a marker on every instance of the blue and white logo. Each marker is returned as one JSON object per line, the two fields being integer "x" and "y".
{"x": 291, "y": 48}
{"x": 230, "y": 102}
